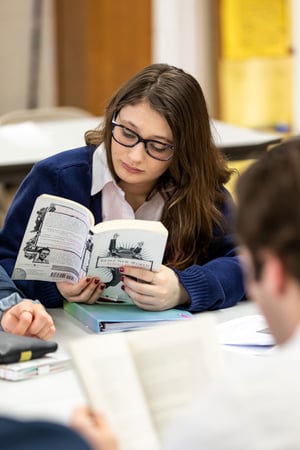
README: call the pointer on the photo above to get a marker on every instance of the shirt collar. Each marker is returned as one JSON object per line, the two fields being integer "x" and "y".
{"x": 101, "y": 177}
{"x": 101, "y": 174}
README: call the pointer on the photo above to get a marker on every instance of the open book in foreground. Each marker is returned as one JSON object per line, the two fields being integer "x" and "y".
{"x": 62, "y": 243}
{"x": 142, "y": 380}
{"x": 112, "y": 317}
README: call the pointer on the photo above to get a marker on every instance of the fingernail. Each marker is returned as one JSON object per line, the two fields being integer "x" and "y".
{"x": 87, "y": 280}
{"x": 123, "y": 287}
{"x": 122, "y": 278}
{"x": 121, "y": 269}
{"x": 96, "y": 281}
{"x": 102, "y": 286}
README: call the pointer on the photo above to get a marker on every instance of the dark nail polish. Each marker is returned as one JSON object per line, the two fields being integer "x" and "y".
{"x": 123, "y": 287}
{"x": 121, "y": 269}
{"x": 96, "y": 281}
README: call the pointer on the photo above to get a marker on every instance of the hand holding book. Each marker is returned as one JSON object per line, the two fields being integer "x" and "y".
{"x": 88, "y": 290}
{"x": 153, "y": 293}
{"x": 62, "y": 243}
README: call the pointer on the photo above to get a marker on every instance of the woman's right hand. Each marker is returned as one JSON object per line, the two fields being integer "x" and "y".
{"x": 94, "y": 428}
{"x": 88, "y": 290}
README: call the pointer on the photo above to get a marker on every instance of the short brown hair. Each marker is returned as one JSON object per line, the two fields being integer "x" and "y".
{"x": 268, "y": 209}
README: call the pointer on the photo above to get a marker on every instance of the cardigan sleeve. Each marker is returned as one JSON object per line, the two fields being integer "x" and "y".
{"x": 214, "y": 285}
{"x": 37, "y": 434}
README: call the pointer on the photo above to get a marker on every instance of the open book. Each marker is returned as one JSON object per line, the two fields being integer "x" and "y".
{"x": 62, "y": 243}
{"x": 143, "y": 379}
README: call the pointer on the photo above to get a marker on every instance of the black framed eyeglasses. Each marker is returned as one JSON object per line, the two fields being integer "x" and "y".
{"x": 128, "y": 138}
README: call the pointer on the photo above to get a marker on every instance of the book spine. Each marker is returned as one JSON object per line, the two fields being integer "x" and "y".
{"x": 83, "y": 316}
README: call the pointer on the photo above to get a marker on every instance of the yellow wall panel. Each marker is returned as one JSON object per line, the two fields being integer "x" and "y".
{"x": 255, "y": 28}
{"x": 256, "y": 92}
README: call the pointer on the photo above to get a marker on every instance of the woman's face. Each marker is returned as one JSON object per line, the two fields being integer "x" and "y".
{"x": 133, "y": 165}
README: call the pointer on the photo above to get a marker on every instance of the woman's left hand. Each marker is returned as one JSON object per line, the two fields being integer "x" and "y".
{"x": 154, "y": 291}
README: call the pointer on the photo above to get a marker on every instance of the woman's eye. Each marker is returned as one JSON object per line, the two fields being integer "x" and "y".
{"x": 158, "y": 147}
{"x": 128, "y": 134}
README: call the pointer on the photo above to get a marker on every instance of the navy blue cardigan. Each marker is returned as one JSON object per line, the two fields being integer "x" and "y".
{"x": 37, "y": 435}
{"x": 216, "y": 284}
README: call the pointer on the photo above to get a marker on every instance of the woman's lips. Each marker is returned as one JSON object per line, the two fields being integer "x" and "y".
{"x": 130, "y": 168}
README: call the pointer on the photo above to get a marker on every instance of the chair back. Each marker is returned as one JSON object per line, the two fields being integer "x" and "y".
{"x": 43, "y": 114}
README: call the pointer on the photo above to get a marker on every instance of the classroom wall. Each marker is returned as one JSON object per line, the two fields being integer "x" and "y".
{"x": 15, "y": 41}
{"x": 177, "y": 25}
{"x": 296, "y": 40}
{"x": 183, "y": 34}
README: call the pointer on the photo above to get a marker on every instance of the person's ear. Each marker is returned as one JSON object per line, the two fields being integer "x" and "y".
{"x": 274, "y": 274}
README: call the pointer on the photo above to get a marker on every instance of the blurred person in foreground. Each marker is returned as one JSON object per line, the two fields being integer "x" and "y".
{"x": 259, "y": 407}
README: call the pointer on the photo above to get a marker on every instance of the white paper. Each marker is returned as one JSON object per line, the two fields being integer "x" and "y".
{"x": 251, "y": 330}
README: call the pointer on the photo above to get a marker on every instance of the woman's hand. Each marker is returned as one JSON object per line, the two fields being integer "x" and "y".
{"x": 94, "y": 428}
{"x": 88, "y": 290}
{"x": 28, "y": 319}
{"x": 154, "y": 291}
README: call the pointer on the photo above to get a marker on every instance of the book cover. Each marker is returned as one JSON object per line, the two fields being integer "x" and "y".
{"x": 15, "y": 348}
{"x": 116, "y": 243}
{"x": 109, "y": 317}
{"x": 62, "y": 243}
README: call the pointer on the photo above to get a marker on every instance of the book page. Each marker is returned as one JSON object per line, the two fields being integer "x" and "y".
{"x": 142, "y": 379}
{"x": 109, "y": 378}
{"x": 54, "y": 246}
{"x": 175, "y": 362}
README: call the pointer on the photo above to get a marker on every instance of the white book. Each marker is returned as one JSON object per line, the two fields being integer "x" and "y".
{"x": 62, "y": 243}
{"x": 50, "y": 363}
{"x": 141, "y": 380}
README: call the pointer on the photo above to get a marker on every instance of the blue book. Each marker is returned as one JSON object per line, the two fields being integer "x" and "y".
{"x": 112, "y": 317}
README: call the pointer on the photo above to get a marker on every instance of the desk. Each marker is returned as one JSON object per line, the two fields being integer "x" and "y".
{"x": 23, "y": 144}
{"x": 55, "y": 395}
{"x": 239, "y": 143}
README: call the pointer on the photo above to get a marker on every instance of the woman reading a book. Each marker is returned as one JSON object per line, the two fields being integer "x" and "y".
{"x": 151, "y": 158}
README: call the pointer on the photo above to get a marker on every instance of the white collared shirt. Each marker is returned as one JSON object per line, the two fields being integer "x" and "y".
{"x": 114, "y": 204}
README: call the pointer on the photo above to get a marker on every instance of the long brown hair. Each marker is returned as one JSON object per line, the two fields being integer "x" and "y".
{"x": 192, "y": 185}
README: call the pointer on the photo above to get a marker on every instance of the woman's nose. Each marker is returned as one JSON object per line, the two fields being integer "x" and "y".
{"x": 137, "y": 152}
